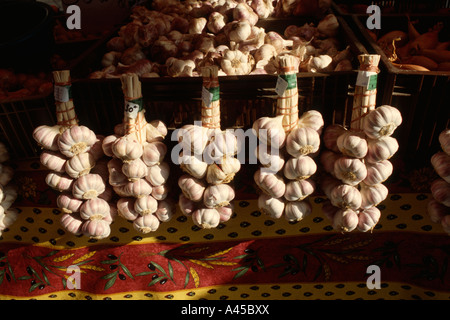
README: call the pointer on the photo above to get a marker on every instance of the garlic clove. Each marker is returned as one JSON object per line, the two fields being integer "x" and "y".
{"x": 125, "y": 208}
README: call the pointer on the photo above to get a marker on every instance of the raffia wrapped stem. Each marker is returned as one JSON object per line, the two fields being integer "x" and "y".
{"x": 287, "y": 102}
{"x": 364, "y": 100}
{"x": 210, "y": 114}
{"x": 135, "y": 123}
{"x": 65, "y": 110}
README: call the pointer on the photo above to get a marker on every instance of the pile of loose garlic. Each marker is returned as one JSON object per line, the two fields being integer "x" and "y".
{"x": 137, "y": 171}
{"x": 439, "y": 206}
{"x": 8, "y": 191}
{"x": 73, "y": 154}
{"x": 287, "y": 145}
{"x": 209, "y": 162}
{"x": 358, "y": 163}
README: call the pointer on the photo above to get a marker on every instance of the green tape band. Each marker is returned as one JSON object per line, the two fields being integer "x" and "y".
{"x": 291, "y": 79}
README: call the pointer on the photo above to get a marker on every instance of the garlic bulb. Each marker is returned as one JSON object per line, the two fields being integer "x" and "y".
{"x": 160, "y": 192}
{"x": 381, "y": 149}
{"x": 346, "y": 197}
{"x": 381, "y": 122}
{"x": 270, "y": 131}
{"x": 327, "y": 160}
{"x": 197, "y": 25}
{"x": 145, "y": 205}
{"x": 302, "y": 141}
{"x": 350, "y": 170}
{"x": 79, "y": 165}
{"x": 71, "y": 223}
{"x": 373, "y": 195}
{"x": 345, "y": 220}
{"x": 95, "y": 208}
{"x": 96, "y": 150}
{"x": 270, "y": 183}
{"x": 297, "y": 190}
{"x": 137, "y": 189}
{"x": 437, "y": 211}
{"x": 165, "y": 211}
{"x": 193, "y": 139}
{"x": 155, "y": 130}
{"x": 96, "y": 229}
{"x": 191, "y": 187}
{"x": 330, "y": 136}
{"x": 378, "y": 172}
{"x": 107, "y": 143}
{"x": 59, "y": 181}
{"x": 236, "y": 62}
{"x": 135, "y": 169}
{"x": 222, "y": 144}
{"x": 328, "y": 26}
{"x": 224, "y": 171}
{"x": 441, "y": 164}
{"x": 154, "y": 153}
{"x": 68, "y": 204}
{"x": 299, "y": 168}
{"x": 268, "y": 205}
{"x": 219, "y": 195}
{"x": 270, "y": 158}
{"x": 206, "y": 218}
{"x": 186, "y": 205}
{"x": 125, "y": 208}
{"x": 297, "y": 210}
{"x": 193, "y": 165}
{"x": 180, "y": 67}
{"x": 440, "y": 190}
{"x": 88, "y": 186}
{"x": 146, "y": 223}
{"x": 127, "y": 148}
{"x": 116, "y": 178}
{"x": 157, "y": 175}
{"x": 238, "y": 31}
{"x": 216, "y": 22}
{"x": 368, "y": 219}
{"x": 444, "y": 140}
{"x": 53, "y": 160}
{"x": 243, "y": 12}
{"x": 352, "y": 144}
{"x": 320, "y": 63}
{"x": 75, "y": 140}
{"x": 226, "y": 212}
{"x": 47, "y": 136}
{"x": 311, "y": 119}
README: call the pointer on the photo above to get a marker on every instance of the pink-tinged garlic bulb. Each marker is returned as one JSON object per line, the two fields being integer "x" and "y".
{"x": 191, "y": 187}
{"x": 10, "y": 193}
{"x": 166, "y": 210}
{"x": 330, "y": 136}
{"x": 222, "y": 144}
{"x": 270, "y": 206}
{"x": 368, "y": 219}
{"x": 216, "y": 22}
{"x": 96, "y": 229}
{"x": 154, "y": 153}
{"x": 270, "y": 183}
{"x": 444, "y": 140}
{"x": 381, "y": 122}
{"x": 47, "y": 137}
{"x": 437, "y": 211}
{"x": 441, "y": 164}
{"x": 75, "y": 140}
{"x": 146, "y": 223}
{"x": 352, "y": 144}
{"x": 219, "y": 195}
{"x": 127, "y": 148}
{"x": 156, "y": 130}
{"x": 271, "y": 159}
{"x": 350, "y": 170}
{"x": 137, "y": 189}
{"x": 145, "y": 205}
{"x": 299, "y": 168}
{"x": 224, "y": 171}
{"x": 297, "y": 210}
{"x": 226, "y": 212}
{"x": 381, "y": 149}
{"x": 88, "y": 186}
{"x": 345, "y": 196}
{"x": 206, "y": 218}
{"x": 328, "y": 183}
{"x": 373, "y": 195}
{"x": 445, "y": 222}
{"x": 243, "y": 12}
{"x": 270, "y": 131}
{"x": 378, "y": 172}
{"x": 93, "y": 209}
{"x": 125, "y": 208}
{"x": 79, "y": 165}
{"x": 53, "y": 160}
{"x": 193, "y": 139}
{"x": 96, "y": 149}
{"x": 312, "y": 119}
{"x": 135, "y": 169}
{"x": 160, "y": 192}
{"x": 116, "y": 178}
{"x": 158, "y": 175}
{"x": 302, "y": 141}
{"x": 186, "y": 205}
{"x": 8, "y": 217}
{"x": 345, "y": 220}
{"x": 107, "y": 143}
{"x": 71, "y": 223}
{"x": 59, "y": 181}
{"x": 193, "y": 165}
{"x": 108, "y": 194}
{"x": 329, "y": 210}
{"x": 297, "y": 190}
{"x": 68, "y": 204}
{"x": 327, "y": 160}
{"x": 440, "y": 190}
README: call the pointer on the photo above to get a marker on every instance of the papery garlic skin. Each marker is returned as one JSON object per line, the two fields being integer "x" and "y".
{"x": 271, "y": 159}
{"x": 191, "y": 187}
{"x": 206, "y": 218}
{"x": 218, "y": 195}
{"x": 145, "y": 205}
{"x": 382, "y": 122}
{"x": 378, "y": 172}
{"x": 146, "y": 223}
{"x": 345, "y": 220}
{"x": 59, "y": 181}
{"x": 312, "y": 119}
{"x": 352, "y": 144}
{"x": 224, "y": 171}
{"x": 75, "y": 140}
{"x": 373, "y": 195}
{"x": 125, "y": 208}
{"x": 193, "y": 165}
{"x": 368, "y": 219}
{"x": 330, "y": 136}
{"x": 68, "y": 204}
{"x": 270, "y": 183}
{"x": 302, "y": 141}
{"x": 79, "y": 165}
{"x": 88, "y": 186}
{"x": 270, "y": 206}
{"x": 297, "y": 190}
{"x": 270, "y": 131}
{"x": 350, "y": 170}
{"x": 297, "y": 210}
{"x": 137, "y": 189}
{"x": 381, "y": 149}
{"x": 186, "y": 205}
{"x": 96, "y": 229}
{"x": 95, "y": 208}
{"x": 346, "y": 197}
{"x": 47, "y": 136}
{"x": 53, "y": 160}
{"x": 299, "y": 168}
{"x": 71, "y": 223}
{"x": 154, "y": 153}
{"x": 158, "y": 175}
{"x": 165, "y": 211}
{"x": 135, "y": 169}
{"x": 127, "y": 148}
{"x": 193, "y": 139}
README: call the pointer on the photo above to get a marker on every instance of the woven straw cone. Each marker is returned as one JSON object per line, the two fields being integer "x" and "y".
{"x": 65, "y": 110}
{"x": 364, "y": 100}
{"x": 210, "y": 115}
{"x": 287, "y": 103}
{"x": 131, "y": 87}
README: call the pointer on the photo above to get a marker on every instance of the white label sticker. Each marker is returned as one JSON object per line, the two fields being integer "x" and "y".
{"x": 281, "y": 86}
{"x": 363, "y": 78}
{"x": 206, "y": 96}
{"x": 131, "y": 109}
{"x": 62, "y": 93}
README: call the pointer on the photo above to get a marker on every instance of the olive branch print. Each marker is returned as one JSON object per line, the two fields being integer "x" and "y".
{"x": 116, "y": 266}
